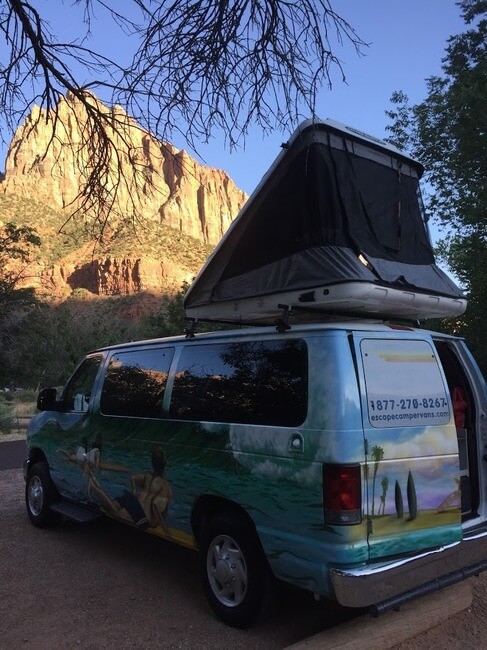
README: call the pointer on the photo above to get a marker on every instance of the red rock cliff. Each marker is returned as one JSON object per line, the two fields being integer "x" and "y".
{"x": 173, "y": 187}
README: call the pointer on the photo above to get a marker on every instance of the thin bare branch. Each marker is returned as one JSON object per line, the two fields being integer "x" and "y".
{"x": 198, "y": 67}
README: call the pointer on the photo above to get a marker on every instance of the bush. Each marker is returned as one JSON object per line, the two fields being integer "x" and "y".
{"x": 27, "y": 395}
{"x": 7, "y": 418}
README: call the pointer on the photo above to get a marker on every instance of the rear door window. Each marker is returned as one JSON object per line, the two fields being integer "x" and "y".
{"x": 263, "y": 382}
{"x": 404, "y": 385}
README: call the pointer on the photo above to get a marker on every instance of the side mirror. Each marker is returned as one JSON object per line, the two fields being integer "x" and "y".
{"x": 46, "y": 400}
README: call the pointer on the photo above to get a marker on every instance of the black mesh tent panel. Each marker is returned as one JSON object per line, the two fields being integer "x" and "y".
{"x": 327, "y": 200}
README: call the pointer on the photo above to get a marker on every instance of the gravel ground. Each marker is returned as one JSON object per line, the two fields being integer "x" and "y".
{"x": 106, "y": 585}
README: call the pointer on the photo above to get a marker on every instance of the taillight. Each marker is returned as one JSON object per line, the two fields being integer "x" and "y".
{"x": 342, "y": 494}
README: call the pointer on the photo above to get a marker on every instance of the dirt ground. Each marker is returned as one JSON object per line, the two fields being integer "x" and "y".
{"x": 106, "y": 585}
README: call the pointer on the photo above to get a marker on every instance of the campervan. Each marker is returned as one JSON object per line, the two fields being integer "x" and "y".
{"x": 345, "y": 458}
{"x": 331, "y": 443}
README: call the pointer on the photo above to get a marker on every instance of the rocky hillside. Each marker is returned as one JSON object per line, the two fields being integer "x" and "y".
{"x": 156, "y": 259}
{"x": 185, "y": 207}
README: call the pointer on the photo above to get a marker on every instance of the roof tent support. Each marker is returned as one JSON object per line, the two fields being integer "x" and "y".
{"x": 190, "y": 330}
{"x": 282, "y": 323}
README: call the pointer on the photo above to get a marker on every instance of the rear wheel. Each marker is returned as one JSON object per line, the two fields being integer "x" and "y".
{"x": 40, "y": 493}
{"x": 234, "y": 571}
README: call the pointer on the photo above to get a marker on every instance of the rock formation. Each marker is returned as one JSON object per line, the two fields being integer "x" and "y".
{"x": 122, "y": 276}
{"x": 50, "y": 157}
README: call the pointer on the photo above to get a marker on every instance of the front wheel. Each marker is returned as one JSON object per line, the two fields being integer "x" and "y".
{"x": 234, "y": 571}
{"x": 39, "y": 494}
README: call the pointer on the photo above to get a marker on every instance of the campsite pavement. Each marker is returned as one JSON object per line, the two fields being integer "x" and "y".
{"x": 106, "y": 585}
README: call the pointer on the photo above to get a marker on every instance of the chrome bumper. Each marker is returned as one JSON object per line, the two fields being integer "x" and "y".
{"x": 372, "y": 584}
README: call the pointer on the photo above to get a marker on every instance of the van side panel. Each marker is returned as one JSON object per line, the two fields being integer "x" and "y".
{"x": 257, "y": 467}
{"x": 279, "y": 479}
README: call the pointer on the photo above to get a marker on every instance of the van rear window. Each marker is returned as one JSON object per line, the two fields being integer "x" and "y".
{"x": 404, "y": 385}
{"x": 135, "y": 382}
{"x": 263, "y": 382}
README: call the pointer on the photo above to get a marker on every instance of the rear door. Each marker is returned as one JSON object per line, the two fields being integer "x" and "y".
{"x": 467, "y": 388}
{"x": 412, "y": 468}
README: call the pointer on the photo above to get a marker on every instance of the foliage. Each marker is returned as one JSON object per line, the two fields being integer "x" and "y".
{"x": 170, "y": 320}
{"x": 16, "y": 249}
{"x": 41, "y": 343}
{"x": 50, "y": 340}
{"x": 7, "y": 417}
{"x": 152, "y": 239}
{"x": 16, "y": 243}
{"x": 25, "y": 397}
{"x": 447, "y": 132}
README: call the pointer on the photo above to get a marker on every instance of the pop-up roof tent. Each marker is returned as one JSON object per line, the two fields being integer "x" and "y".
{"x": 336, "y": 225}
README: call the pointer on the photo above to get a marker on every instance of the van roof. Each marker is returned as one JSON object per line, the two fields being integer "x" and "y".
{"x": 249, "y": 332}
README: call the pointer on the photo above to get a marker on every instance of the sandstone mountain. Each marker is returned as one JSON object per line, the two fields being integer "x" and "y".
{"x": 183, "y": 207}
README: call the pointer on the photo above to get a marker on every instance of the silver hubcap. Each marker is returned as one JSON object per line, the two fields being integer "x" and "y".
{"x": 36, "y": 496}
{"x": 227, "y": 571}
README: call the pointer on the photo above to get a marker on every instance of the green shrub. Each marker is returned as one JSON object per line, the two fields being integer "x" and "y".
{"x": 27, "y": 395}
{"x": 7, "y": 418}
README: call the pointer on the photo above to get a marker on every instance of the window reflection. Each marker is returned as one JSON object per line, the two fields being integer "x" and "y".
{"x": 263, "y": 382}
{"x": 77, "y": 394}
{"x": 135, "y": 383}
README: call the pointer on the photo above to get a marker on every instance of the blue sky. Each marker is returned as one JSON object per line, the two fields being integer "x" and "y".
{"x": 407, "y": 42}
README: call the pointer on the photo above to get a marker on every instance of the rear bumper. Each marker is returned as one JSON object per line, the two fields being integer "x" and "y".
{"x": 372, "y": 584}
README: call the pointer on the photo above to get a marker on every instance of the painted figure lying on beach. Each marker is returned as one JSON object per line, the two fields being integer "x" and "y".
{"x": 145, "y": 505}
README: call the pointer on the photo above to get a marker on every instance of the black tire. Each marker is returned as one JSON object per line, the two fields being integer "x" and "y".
{"x": 40, "y": 493}
{"x": 234, "y": 571}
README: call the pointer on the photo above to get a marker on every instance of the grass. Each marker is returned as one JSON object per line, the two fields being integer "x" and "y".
{"x": 391, "y": 524}
{"x": 7, "y": 418}
{"x": 15, "y": 411}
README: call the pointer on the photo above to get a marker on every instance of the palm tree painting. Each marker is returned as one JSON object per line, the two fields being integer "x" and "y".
{"x": 377, "y": 455}
{"x": 412, "y": 498}
{"x": 385, "y": 485}
{"x": 399, "y": 501}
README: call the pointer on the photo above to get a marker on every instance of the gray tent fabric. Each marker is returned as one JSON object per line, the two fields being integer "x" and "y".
{"x": 335, "y": 263}
{"x": 336, "y": 206}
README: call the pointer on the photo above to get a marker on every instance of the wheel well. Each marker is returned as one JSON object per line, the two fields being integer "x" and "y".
{"x": 36, "y": 455}
{"x": 207, "y": 506}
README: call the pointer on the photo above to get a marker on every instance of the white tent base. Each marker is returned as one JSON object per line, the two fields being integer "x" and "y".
{"x": 355, "y": 298}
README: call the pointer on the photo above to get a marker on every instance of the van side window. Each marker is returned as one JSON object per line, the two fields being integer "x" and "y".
{"x": 135, "y": 382}
{"x": 404, "y": 385}
{"x": 264, "y": 382}
{"x": 77, "y": 394}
